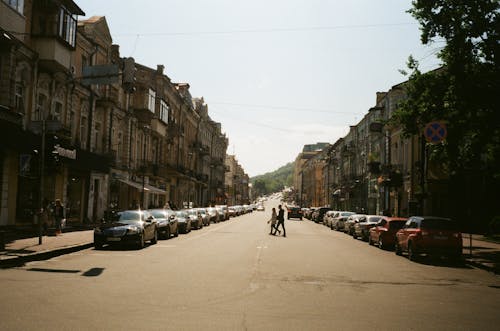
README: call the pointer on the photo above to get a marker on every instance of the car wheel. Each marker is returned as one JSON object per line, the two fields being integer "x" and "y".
{"x": 412, "y": 255}
{"x": 370, "y": 242}
{"x": 176, "y": 234}
{"x": 380, "y": 242}
{"x": 354, "y": 236}
{"x": 154, "y": 240}
{"x": 167, "y": 233}
{"x": 97, "y": 245}
{"x": 397, "y": 248}
{"x": 141, "y": 244}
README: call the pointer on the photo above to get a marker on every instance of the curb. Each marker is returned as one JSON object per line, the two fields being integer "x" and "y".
{"x": 39, "y": 256}
{"x": 483, "y": 266}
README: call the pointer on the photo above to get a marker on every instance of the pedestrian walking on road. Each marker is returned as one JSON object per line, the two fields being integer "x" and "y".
{"x": 281, "y": 220}
{"x": 58, "y": 216}
{"x": 273, "y": 220}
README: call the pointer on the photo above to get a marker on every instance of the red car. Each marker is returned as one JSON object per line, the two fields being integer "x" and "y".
{"x": 430, "y": 235}
{"x": 384, "y": 232}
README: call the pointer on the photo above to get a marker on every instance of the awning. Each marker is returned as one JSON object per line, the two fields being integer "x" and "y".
{"x": 133, "y": 184}
{"x": 153, "y": 189}
{"x": 337, "y": 192}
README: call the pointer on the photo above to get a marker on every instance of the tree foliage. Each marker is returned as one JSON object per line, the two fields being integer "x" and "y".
{"x": 465, "y": 91}
{"x": 273, "y": 181}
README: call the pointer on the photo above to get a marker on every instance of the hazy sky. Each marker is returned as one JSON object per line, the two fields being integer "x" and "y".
{"x": 278, "y": 74}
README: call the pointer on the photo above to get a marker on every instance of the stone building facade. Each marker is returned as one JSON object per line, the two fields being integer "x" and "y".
{"x": 96, "y": 145}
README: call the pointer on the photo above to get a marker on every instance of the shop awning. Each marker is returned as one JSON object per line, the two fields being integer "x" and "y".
{"x": 337, "y": 192}
{"x": 153, "y": 189}
{"x": 133, "y": 184}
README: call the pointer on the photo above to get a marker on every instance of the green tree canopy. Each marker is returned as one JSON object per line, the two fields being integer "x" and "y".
{"x": 465, "y": 92}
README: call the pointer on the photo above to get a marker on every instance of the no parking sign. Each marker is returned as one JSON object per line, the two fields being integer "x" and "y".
{"x": 435, "y": 132}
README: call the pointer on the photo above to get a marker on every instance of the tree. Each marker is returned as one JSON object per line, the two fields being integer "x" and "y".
{"x": 464, "y": 92}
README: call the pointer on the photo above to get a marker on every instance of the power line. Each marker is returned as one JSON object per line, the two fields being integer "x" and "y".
{"x": 296, "y": 109}
{"x": 269, "y": 30}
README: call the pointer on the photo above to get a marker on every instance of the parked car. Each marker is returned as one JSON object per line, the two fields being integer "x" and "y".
{"x": 338, "y": 221}
{"x": 327, "y": 219}
{"x": 318, "y": 214}
{"x": 225, "y": 211}
{"x": 260, "y": 207}
{"x": 430, "y": 235}
{"x": 213, "y": 214}
{"x": 349, "y": 223}
{"x": 294, "y": 212}
{"x": 232, "y": 211}
{"x": 362, "y": 228}
{"x": 384, "y": 232}
{"x": 128, "y": 227}
{"x": 167, "y": 223}
{"x": 195, "y": 217}
{"x": 204, "y": 216}
{"x": 309, "y": 213}
{"x": 183, "y": 221}
{"x": 220, "y": 214}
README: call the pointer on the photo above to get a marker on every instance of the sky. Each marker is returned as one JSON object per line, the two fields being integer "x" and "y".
{"x": 277, "y": 74}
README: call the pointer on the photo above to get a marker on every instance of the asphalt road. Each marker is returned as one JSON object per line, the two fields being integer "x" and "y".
{"x": 234, "y": 276}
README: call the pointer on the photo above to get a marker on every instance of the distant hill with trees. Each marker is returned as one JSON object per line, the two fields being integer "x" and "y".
{"x": 273, "y": 181}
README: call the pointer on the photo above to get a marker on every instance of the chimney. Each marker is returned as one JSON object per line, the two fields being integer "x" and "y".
{"x": 160, "y": 68}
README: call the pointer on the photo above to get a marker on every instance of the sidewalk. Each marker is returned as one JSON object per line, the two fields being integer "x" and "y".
{"x": 485, "y": 254}
{"x": 17, "y": 252}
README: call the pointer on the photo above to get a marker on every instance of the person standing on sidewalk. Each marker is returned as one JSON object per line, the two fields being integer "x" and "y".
{"x": 281, "y": 220}
{"x": 58, "y": 216}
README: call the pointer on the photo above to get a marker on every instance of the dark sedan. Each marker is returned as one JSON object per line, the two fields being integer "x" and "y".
{"x": 183, "y": 221}
{"x": 167, "y": 223}
{"x": 130, "y": 227}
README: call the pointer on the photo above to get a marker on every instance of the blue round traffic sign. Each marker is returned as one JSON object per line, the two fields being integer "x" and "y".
{"x": 435, "y": 132}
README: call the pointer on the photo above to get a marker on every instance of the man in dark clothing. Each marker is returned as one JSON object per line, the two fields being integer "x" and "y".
{"x": 281, "y": 220}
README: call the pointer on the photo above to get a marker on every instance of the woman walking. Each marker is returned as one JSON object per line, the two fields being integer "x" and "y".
{"x": 273, "y": 220}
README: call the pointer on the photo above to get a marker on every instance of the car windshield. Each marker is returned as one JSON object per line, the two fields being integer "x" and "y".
{"x": 396, "y": 225}
{"x": 374, "y": 219}
{"x": 346, "y": 214}
{"x": 129, "y": 217}
{"x": 439, "y": 224}
{"x": 158, "y": 213}
{"x": 181, "y": 214}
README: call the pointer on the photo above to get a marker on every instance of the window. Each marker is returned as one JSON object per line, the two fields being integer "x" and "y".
{"x": 66, "y": 26}
{"x": 17, "y": 5}
{"x": 19, "y": 98}
{"x": 97, "y": 131}
{"x": 41, "y": 103}
{"x": 57, "y": 115}
{"x": 164, "y": 110}
{"x": 151, "y": 100}
{"x": 83, "y": 132}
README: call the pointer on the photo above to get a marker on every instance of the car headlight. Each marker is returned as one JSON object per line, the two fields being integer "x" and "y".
{"x": 133, "y": 230}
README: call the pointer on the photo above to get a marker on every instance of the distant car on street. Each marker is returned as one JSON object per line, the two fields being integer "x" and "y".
{"x": 183, "y": 221}
{"x": 294, "y": 212}
{"x": 362, "y": 228}
{"x": 167, "y": 223}
{"x": 384, "y": 232}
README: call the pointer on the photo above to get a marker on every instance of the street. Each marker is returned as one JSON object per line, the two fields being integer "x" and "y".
{"x": 235, "y": 276}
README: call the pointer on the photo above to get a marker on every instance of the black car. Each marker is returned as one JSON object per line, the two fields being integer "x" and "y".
{"x": 319, "y": 213}
{"x": 128, "y": 227}
{"x": 294, "y": 212}
{"x": 183, "y": 221}
{"x": 167, "y": 223}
